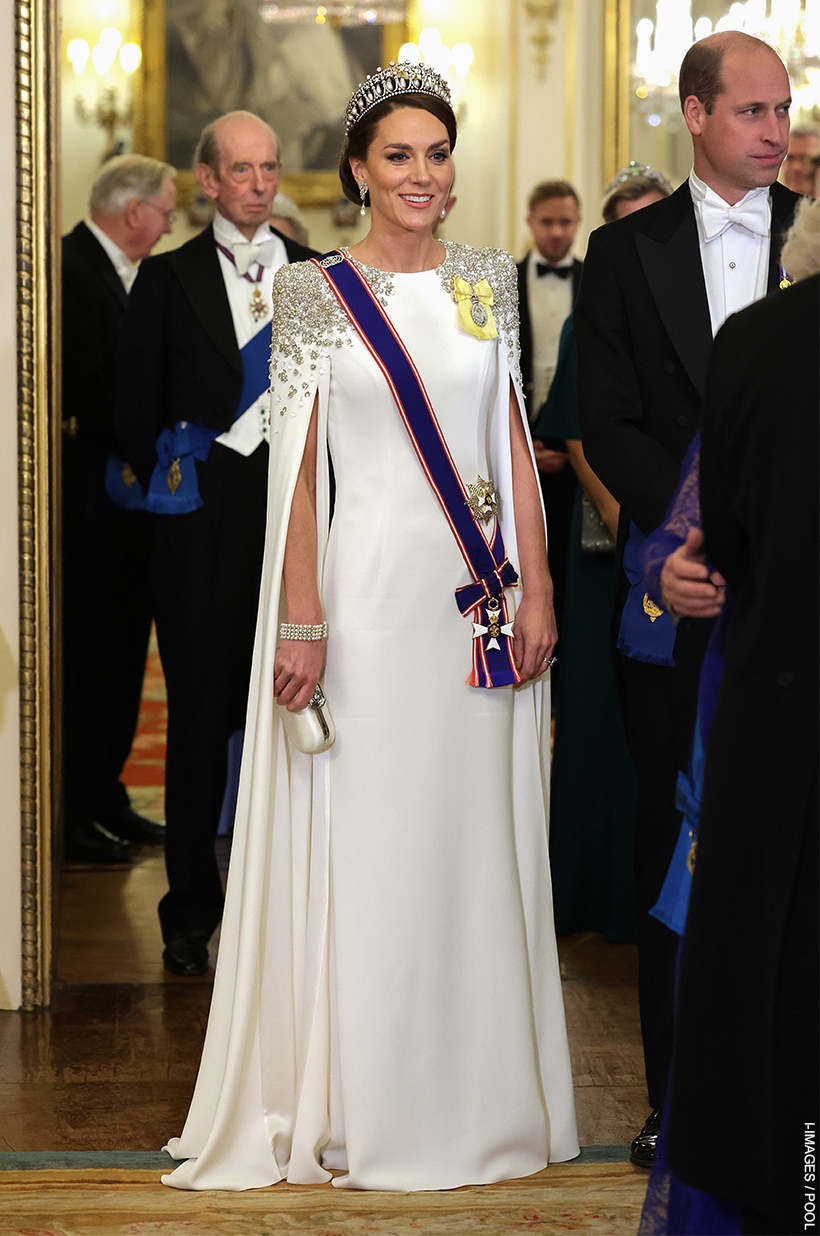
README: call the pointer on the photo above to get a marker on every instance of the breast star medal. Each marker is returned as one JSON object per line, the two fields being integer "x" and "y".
{"x": 496, "y": 628}
{"x": 483, "y": 501}
{"x": 259, "y": 307}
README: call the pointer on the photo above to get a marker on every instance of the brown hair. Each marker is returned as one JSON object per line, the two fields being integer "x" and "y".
{"x": 359, "y": 139}
{"x": 631, "y": 189}
{"x": 547, "y": 190}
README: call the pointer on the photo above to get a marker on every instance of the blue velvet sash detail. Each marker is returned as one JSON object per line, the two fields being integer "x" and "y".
{"x": 182, "y": 445}
{"x": 126, "y": 497}
{"x": 491, "y": 572}
{"x": 639, "y": 636}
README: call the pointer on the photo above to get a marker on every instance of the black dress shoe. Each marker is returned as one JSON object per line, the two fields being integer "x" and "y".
{"x": 91, "y": 843}
{"x": 130, "y": 826}
{"x": 642, "y": 1151}
{"x": 187, "y": 954}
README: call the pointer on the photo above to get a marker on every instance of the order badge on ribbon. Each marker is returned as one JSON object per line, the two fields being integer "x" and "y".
{"x": 473, "y": 302}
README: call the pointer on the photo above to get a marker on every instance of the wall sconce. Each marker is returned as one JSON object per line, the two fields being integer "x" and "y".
{"x": 430, "y": 50}
{"x": 108, "y": 56}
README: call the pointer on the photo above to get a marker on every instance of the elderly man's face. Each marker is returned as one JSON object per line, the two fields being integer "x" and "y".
{"x": 799, "y": 171}
{"x": 741, "y": 144}
{"x": 248, "y": 173}
{"x": 153, "y": 217}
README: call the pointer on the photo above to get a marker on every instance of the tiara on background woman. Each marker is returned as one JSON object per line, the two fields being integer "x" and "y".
{"x": 389, "y": 83}
{"x": 636, "y": 169}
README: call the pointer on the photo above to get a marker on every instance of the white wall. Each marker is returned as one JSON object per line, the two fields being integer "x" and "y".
{"x": 10, "y": 956}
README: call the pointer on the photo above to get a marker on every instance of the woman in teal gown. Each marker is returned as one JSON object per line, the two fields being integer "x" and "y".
{"x": 594, "y": 783}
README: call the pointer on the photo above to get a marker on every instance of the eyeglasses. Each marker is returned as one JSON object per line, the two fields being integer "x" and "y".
{"x": 168, "y": 215}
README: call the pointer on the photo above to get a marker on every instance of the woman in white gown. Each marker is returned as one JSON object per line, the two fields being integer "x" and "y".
{"x": 387, "y": 999}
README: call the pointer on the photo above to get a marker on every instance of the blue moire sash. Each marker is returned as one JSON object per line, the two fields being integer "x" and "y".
{"x": 174, "y": 489}
{"x": 122, "y": 486}
{"x": 493, "y": 663}
{"x": 646, "y": 633}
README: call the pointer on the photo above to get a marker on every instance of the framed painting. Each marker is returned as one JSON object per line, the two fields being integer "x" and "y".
{"x": 203, "y": 58}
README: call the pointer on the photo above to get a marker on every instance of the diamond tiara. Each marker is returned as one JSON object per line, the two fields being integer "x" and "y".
{"x": 389, "y": 83}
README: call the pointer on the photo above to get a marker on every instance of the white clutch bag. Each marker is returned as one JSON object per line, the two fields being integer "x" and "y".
{"x": 311, "y": 730}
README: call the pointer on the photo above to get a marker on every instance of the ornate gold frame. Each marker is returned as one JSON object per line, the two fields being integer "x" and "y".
{"x": 39, "y": 482}
{"x": 150, "y": 133}
{"x": 616, "y": 86}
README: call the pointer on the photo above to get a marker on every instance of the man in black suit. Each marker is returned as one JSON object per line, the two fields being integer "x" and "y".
{"x": 106, "y": 594}
{"x": 193, "y": 419}
{"x": 747, "y": 1014}
{"x": 656, "y": 287}
{"x": 548, "y": 282}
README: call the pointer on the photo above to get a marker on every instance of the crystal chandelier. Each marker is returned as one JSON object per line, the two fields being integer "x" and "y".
{"x": 349, "y": 13}
{"x": 791, "y": 26}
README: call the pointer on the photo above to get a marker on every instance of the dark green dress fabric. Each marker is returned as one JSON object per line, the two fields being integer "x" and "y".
{"x": 594, "y": 783}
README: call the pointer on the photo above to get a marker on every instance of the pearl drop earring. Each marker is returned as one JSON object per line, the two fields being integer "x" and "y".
{"x": 362, "y": 195}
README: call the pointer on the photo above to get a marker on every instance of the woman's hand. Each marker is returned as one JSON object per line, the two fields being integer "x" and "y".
{"x": 687, "y": 586}
{"x": 298, "y": 667}
{"x": 534, "y": 637}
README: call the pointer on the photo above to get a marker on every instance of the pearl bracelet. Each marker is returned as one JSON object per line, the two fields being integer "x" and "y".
{"x": 296, "y": 630}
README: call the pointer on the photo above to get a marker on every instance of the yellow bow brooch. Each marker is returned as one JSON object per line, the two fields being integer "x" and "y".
{"x": 474, "y": 308}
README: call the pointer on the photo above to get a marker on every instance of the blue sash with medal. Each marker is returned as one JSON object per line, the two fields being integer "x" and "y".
{"x": 490, "y": 569}
{"x": 647, "y": 633}
{"x": 174, "y": 489}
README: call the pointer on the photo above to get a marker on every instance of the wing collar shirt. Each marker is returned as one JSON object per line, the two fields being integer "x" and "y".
{"x": 734, "y": 247}
{"x": 125, "y": 268}
{"x": 550, "y": 302}
{"x": 267, "y": 250}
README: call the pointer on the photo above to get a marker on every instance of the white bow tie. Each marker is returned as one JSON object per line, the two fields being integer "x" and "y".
{"x": 248, "y": 253}
{"x": 753, "y": 215}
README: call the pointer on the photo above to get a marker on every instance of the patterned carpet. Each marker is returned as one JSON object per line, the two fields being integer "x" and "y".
{"x": 600, "y": 1199}
{"x": 144, "y": 773}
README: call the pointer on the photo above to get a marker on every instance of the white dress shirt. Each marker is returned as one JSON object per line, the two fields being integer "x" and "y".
{"x": 734, "y": 247}
{"x": 550, "y": 302}
{"x": 125, "y": 268}
{"x": 268, "y": 250}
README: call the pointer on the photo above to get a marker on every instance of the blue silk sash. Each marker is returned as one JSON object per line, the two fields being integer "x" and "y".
{"x": 646, "y": 633}
{"x": 174, "y": 489}
{"x": 127, "y": 494}
{"x": 490, "y": 569}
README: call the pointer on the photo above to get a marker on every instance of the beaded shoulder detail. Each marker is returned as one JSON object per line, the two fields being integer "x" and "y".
{"x": 498, "y": 268}
{"x": 308, "y": 321}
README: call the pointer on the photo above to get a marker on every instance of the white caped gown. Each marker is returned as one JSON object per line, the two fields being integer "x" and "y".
{"x": 387, "y": 998}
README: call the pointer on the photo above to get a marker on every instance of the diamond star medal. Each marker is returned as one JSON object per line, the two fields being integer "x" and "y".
{"x": 483, "y": 501}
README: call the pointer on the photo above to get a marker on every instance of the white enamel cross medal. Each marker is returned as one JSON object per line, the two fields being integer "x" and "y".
{"x": 259, "y": 308}
{"x": 496, "y": 628}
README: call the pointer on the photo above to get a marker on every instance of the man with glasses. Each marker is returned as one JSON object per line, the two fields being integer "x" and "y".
{"x": 193, "y": 420}
{"x": 107, "y": 609}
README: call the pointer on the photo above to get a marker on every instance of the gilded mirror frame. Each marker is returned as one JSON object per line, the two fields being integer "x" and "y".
{"x": 150, "y": 126}
{"x": 38, "y": 363}
{"x": 617, "y": 18}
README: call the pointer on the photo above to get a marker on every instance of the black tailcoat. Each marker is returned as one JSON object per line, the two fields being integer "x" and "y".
{"x": 106, "y": 595}
{"x": 179, "y": 360}
{"x": 644, "y": 336}
{"x": 559, "y": 488}
{"x": 747, "y": 1018}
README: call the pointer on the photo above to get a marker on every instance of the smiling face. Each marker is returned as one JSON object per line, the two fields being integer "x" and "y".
{"x": 248, "y": 176}
{"x": 741, "y": 144}
{"x": 408, "y": 170}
